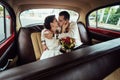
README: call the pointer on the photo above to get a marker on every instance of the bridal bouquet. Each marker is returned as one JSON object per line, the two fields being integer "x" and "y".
{"x": 67, "y": 43}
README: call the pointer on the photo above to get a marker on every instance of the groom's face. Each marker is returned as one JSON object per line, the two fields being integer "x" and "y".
{"x": 61, "y": 21}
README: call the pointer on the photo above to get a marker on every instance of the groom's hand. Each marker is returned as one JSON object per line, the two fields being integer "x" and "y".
{"x": 65, "y": 26}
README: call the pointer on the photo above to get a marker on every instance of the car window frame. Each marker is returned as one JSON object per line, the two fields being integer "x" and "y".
{"x": 4, "y": 44}
{"x": 12, "y": 21}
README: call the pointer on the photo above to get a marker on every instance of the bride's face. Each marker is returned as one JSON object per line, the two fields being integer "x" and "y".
{"x": 54, "y": 25}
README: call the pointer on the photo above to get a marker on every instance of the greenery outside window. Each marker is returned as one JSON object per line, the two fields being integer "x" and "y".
{"x": 107, "y": 18}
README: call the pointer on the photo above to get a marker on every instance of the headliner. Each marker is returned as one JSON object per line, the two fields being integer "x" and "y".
{"x": 68, "y": 4}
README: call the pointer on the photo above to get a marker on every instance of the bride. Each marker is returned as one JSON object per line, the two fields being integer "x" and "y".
{"x": 50, "y": 44}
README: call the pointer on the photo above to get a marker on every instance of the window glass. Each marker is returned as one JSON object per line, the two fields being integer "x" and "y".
{"x": 92, "y": 19}
{"x": 107, "y": 18}
{"x": 8, "y": 18}
{"x": 4, "y": 24}
{"x": 2, "y": 34}
{"x": 33, "y": 16}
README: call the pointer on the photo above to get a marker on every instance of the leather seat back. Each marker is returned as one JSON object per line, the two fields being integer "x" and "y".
{"x": 25, "y": 48}
{"x": 36, "y": 41}
{"x": 83, "y": 34}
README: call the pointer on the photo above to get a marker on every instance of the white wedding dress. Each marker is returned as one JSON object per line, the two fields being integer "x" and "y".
{"x": 53, "y": 48}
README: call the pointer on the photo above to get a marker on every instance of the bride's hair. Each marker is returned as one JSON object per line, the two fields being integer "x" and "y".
{"x": 48, "y": 20}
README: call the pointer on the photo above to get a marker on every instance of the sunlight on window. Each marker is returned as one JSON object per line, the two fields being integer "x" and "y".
{"x": 34, "y": 16}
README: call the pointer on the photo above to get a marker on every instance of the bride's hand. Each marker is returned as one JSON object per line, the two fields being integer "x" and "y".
{"x": 44, "y": 47}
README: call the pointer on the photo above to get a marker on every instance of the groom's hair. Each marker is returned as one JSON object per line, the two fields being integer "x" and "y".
{"x": 65, "y": 14}
{"x": 48, "y": 20}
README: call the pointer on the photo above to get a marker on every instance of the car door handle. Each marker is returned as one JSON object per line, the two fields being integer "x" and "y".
{"x": 3, "y": 68}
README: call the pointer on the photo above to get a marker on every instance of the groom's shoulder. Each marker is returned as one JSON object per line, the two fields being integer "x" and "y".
{"x": 73, "y": 23}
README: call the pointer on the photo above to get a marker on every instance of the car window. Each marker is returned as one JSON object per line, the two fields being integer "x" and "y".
{"x": 4, "y": 23}
{"x": 106, "y": 18}
{"x": 38, "y": 15}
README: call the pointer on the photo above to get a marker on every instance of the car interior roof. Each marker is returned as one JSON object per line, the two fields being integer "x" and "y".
{"x": 85, "y": 5}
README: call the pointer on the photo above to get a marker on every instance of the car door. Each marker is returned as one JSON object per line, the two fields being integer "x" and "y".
{"x": 7, "y": 34}
{"x": 104, "y": 23}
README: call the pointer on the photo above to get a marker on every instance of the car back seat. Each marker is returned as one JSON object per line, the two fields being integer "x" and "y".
{"x": 29, "y": 43}
{"x": 26, "y": 42}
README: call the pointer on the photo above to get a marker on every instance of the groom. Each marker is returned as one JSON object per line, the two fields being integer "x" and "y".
{"x": 68, "y": 29}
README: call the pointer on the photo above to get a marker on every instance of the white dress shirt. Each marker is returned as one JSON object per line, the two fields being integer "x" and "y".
{"x": 73, "y": 32}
